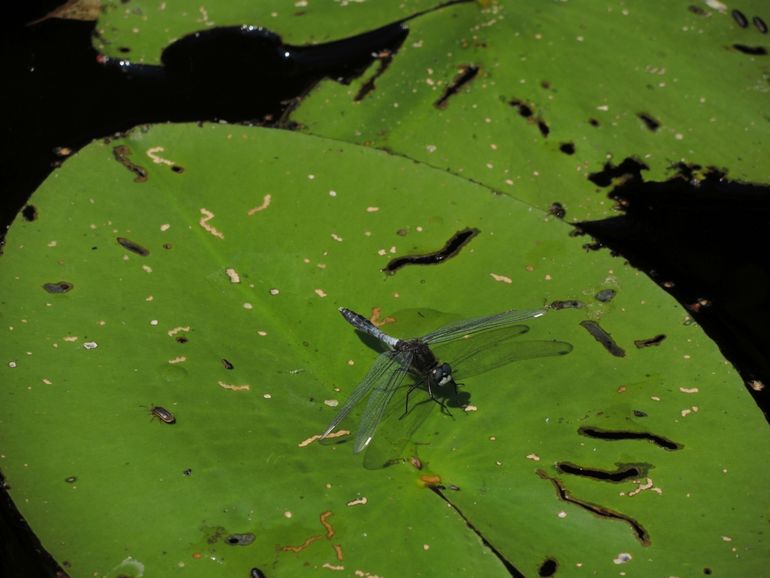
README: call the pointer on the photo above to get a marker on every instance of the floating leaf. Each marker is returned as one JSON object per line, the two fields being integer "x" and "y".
{"x": 527, "y": 100}
{"x": 532, "y": 100}
{"x": 227, "y": 320}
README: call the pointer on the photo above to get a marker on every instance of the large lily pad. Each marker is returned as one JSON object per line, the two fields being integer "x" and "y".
{"x": 530, "y": 100}
{"x": 144, "y": 29}
{"x": 526, "y": 99}
{"x": 198, "y": 268}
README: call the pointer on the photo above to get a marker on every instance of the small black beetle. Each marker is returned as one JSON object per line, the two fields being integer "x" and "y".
{"x": 162, "y": 414}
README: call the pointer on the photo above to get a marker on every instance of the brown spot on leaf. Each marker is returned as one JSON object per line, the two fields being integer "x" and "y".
{"x": 121, "y": 154}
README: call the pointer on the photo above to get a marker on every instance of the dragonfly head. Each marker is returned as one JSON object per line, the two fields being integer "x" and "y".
{"x": 442, "y": 374}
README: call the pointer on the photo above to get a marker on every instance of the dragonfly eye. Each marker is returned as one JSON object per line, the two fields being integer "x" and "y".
{"x": 443, "y": 374}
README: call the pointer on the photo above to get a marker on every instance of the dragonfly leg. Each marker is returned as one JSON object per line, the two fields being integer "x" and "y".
{"x": 439, "y": 401}
{"x": 408, "y": 393}
{"x": 444, "y": 408}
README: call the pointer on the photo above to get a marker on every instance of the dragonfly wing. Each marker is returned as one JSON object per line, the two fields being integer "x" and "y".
{"x": 398, "y": 426}
{"x": 377, "y": 373}
{"x": 504, "y": 352}
{"x": 459, "y": 351}
{"x": 471, "y": 326}
{"x": 382, "y": 391}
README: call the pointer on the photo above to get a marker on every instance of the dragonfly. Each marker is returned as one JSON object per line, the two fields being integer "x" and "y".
{"x": 413, "y": 357}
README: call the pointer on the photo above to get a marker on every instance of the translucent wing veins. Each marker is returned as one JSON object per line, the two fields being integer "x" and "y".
{"x": 377, "y": 373}
{"x": 378, "y": 402}
{"x": 471, "y": 326}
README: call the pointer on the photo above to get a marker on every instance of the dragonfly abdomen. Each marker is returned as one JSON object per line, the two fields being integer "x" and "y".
{"x": 363, "y": 324}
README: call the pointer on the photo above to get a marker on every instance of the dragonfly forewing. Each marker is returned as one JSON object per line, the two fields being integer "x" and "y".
{"x": 382, "y": 392}
{"x": 386, "y": 366}
{"x": 505, "y": 351}
{"x": 381, "y": 367}
{"x": 460, "y": 351}
{"x": 471, "y": 326}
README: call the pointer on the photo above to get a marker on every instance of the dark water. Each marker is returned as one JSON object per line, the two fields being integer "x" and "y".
{"x": 705, "y": 243}
{"x": 702, "y": 237}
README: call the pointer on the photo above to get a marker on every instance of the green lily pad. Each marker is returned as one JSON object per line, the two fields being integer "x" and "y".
{"x": 526, "y": 100}
{"x": 144, "y": 29}
{"x": 531, "y": 100}
{"x": 199, "y": 268}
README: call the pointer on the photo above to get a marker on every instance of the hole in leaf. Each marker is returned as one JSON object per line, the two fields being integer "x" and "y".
{"x": 568, "y": 304}
{"x": 58, "y": 287}
{"x": 450, "y": 249}
{"x": 557, "y": 210}
{"x": 467, "y": 73}
{"x": 605, "y": 295}
{"x": 612, "y": 435}
{"x": 29, "y": 213}
{"x": 621, "y": 473}
{"x": 240, "y": 539}
{"x": 750, "y": 50}
{"x": 548, "y": 567}
{"x": 121, "y": 154}
{"x": 604, "y": 338}
{"x": 132, "y": 246}
{"x": 628, "y": 168}
{"x": 650, "y": 122}
{"x": 650, "y": 342}
{"x": 384, "y": 57}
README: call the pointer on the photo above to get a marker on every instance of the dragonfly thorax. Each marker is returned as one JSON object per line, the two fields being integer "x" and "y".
{"x": 425, "y": 365}
{"x": 422, "y": 360}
